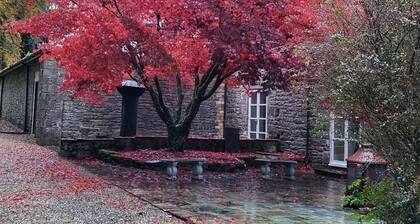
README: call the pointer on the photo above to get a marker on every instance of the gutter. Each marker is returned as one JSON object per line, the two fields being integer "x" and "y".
{"x": 27, "y": 59}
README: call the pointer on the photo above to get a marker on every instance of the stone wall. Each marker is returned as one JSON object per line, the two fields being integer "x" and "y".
{"x": 149, "y": 123}
{"x": 287, "y": 120}
{"x": 85, "y": 120}
{"x": 16, "y": 105}
{"x": 50, "y": 104}
{"x": 319, "y": 144}
{"x": 237, "y": 110}
{"x": 82, "y": 120}
{"x": 286, "y": 117}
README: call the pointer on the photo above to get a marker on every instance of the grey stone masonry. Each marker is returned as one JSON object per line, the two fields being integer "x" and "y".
{"x": 286, "y": 117}
{"x": 17, "y": 96}
{"x": 287, "y": 120}
{"x": 319, "y": 145}
{"x": 237, "y": 110}
{"x": 50, "y": 104}
{"x": 83, "y": 120}
{"x": 59, "y": 116}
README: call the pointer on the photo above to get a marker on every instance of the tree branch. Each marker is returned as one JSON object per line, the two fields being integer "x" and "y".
{"x": 179, "y": 99}
{"x": 219, "y": 80}
{"x": 155, "y": 101}
{"x": 162, "y": 105}
{"x": 117, "y": 8}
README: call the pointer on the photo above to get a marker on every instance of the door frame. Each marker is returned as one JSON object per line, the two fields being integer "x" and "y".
{"x": 332, "y": 161}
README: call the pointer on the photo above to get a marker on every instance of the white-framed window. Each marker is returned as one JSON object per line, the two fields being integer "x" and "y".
{"x": 344, "y": 134}
{"x": 257, "y": 116}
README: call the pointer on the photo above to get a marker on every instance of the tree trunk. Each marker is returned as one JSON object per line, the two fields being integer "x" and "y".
{"x": 177, "y": 136}
{"x": 179, "y": 123}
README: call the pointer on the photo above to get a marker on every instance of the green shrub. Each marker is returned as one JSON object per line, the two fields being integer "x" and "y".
{"x": 383, "y": 200}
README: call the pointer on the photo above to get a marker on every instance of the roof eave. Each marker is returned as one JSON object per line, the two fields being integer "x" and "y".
{"x": 27, "y": 59}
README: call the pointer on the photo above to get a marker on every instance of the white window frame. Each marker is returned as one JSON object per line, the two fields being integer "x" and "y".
{"x": 346, "y": 139}
{"x": 257, "y": 132}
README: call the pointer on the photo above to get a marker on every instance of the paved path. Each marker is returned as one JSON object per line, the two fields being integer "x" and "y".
{"x": 37, "y": 186}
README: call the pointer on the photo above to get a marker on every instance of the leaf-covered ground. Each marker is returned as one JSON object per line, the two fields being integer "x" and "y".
{"x": 37, "y": 186}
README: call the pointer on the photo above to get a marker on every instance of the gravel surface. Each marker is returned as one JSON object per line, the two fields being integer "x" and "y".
{"x": 37, "y": 186}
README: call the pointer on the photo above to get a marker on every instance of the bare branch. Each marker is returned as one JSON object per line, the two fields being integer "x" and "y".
{"x": 179, "y": 99}
{"x": 160, "y": 100}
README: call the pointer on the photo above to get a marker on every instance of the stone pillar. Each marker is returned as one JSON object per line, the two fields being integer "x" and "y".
{"x": 290, "y": 171}
{"x": 171, "y": 170}
{"x": 197, "y": 171}
{"x": 266, "y": 170}
{"x": 130, "y": 92}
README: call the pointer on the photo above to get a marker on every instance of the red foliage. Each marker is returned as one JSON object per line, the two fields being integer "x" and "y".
{"x": 34, "y": 162}
{"x": 212, "y": 157}
{"x": 287, "y": 155}
{"x": 98, "y": 41}
{"x": 305, "y": 168}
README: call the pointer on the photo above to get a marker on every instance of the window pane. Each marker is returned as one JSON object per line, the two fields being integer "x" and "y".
{"x": 253, "y": 111}
{"x": 262, "y": 126}
{"x": 261, "y": 136}
{"x": 254, "y": 99}
{"x": 263, "y": 98}
{"x": 352, "y": 147}
{"x": 338, "y": 150}
{"x": 262, "y": 111}
{"x": 338, "y": 128}
{"x": 253, "y": 125}
{"x": 252, "y": 135}
{"x": 353, "y": 130}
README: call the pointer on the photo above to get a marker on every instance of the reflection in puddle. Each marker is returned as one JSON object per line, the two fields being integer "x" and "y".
{"x": 241, "y": 197}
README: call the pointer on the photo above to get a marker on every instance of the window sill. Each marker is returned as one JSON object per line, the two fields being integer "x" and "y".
{"x": 336, "y": 164}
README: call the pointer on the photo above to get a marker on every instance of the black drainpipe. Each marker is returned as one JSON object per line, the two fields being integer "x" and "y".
{"x": 308, "y": 127}
{"x": 1, "y": 95}
{"x": 224, "y": 107}
{"x": 25, "y": 129}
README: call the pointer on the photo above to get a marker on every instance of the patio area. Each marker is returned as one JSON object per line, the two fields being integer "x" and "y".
{"x": 239, "y": 197}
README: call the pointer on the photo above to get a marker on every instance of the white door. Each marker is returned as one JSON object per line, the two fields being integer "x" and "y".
{"x": 343, "y": 140}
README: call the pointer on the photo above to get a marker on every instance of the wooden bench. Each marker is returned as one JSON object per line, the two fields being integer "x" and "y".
{"x": 197, "y": 168}
{"x": 266, "y": 170}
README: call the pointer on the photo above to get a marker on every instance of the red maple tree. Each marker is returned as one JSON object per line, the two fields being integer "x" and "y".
{"x": 196, "y": 45}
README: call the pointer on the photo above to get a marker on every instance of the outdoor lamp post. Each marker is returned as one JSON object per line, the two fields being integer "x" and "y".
{"x": 130, "y": 91}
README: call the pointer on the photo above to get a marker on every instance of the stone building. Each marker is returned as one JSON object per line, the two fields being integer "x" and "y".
{"x": 30, "y": 99}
